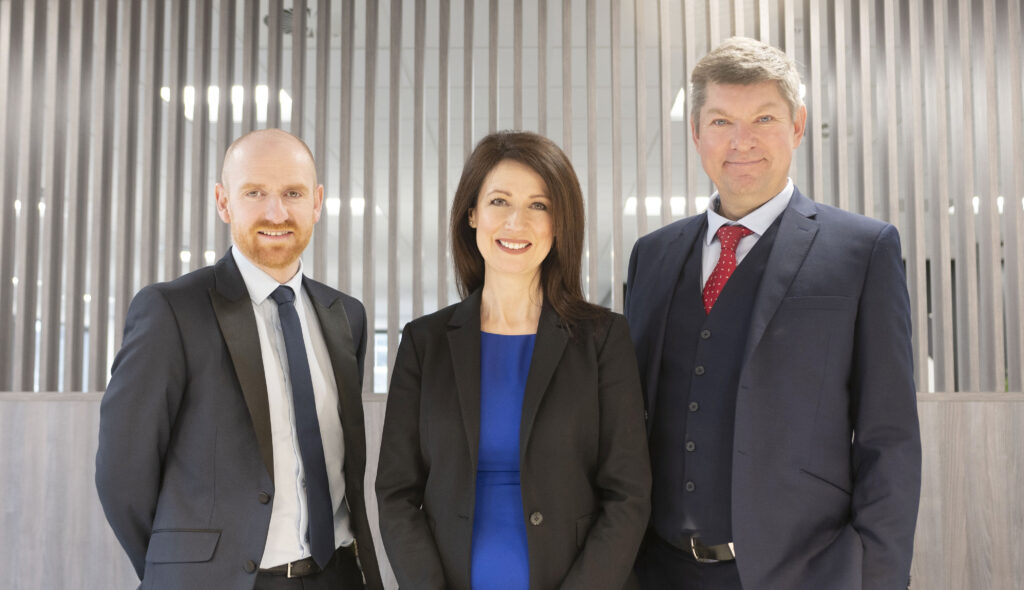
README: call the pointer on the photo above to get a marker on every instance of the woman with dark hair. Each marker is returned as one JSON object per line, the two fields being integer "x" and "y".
{"x": 514, "y": 452}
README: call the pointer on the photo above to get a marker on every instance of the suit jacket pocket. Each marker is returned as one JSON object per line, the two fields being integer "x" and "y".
{"x": 583, "y": 525}
{"x": 182, "y": 546}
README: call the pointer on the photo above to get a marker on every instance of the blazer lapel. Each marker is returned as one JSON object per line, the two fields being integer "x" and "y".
{"x": 337, "y": 331}
{"x": 464, "y": 343}
{"x": 797, "y": 229}
{"x": 661, "y": 286}
{"x": 237, "y": 321}
{"x": 547, "y": 352}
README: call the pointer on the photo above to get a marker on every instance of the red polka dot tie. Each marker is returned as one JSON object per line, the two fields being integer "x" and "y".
{"x": 729, "y": 236}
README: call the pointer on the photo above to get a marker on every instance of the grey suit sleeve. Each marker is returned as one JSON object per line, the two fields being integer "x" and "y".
{"x": 136, "y": 417}
{"x": 402, "y": 479}
{"x": 623, "y": 476}
{"x": 887, "y": 442}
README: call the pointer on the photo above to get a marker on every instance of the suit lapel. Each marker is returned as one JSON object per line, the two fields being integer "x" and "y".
{"x": 797, "y": 229}
{"x": 237, "y": 321}
{"x": 547, "y": 352}
{"x": 337, "y": 332}
{"x": 464, "y": 344}
{"x": 661, "y": 284}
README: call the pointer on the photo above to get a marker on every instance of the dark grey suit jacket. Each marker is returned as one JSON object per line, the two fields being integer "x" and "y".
{"x": 584, "y": 466}
{"x": 827, "y": 451}
{"x": 185, "y": 463}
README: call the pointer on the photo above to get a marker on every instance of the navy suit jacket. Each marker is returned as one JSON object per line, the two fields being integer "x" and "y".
{"x": 826, "y": 468}
{"x": 185, "y": 468}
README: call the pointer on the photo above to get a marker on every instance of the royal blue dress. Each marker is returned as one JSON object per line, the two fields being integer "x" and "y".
{"x": 500, "y": 560}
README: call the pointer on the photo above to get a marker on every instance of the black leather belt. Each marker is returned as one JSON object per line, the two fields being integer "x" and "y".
{"x": 302, "y": 567}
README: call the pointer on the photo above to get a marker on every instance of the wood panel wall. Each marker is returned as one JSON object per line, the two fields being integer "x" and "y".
{"x": 55, "y": 535}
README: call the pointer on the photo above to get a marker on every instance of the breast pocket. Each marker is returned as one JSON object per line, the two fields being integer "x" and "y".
{"x": 182, "y": 546}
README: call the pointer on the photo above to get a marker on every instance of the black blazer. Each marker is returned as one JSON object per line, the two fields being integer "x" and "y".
{"x": 584, "y": 467}
{"x": 185, "y": 467}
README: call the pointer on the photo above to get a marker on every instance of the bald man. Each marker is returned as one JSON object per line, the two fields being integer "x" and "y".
{"x": 231, "y": 445}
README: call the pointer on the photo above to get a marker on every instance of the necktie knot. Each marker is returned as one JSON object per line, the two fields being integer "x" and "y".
{"x": 730, "y": 236}
{"x": 283, "y": 294}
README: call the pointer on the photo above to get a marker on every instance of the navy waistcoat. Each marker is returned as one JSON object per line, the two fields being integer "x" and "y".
{"x": 692, "y": 436}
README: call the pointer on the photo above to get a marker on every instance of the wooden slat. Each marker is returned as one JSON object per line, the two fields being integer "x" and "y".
{"x": 128, "y": 192}
{"x": 842, "y": 150}
{"x": 665, "y": 99}
{"x": 418, "y": 221}
{"x": 226, "y": 76}
{"x": 102, "y": 199}
{"x": 713, "y": 9}
{"x": 739, "y": 22}
{"x": 567, "y": 47}
{"x": 298, "y": 114}
{"x": 640, "y": 77}
{"x": 764, "y": 21}
{"x": 394, "y": 155}
{"x": 78, "y": 173}
{"x": 274, "y": 57}
{"x": 468, "y": 137}
{"x": 176, "y": 142}
{"x": 200, "y": 206}
{"x": 321, "y": 130}
{"x": 517, "y": 64}
{"x": 13, "y": 30}
{"x": 693, "y": 173}
{"x": 33, "y": 86}
{"x": 593, "y": 243}
{"x": 444, "y": 40}
{"x": 816, "y": 111}
{"x": 492, "y": 67}
{"x": 867, "y": 110}
{"x": 993, "y": 368}
{"x": 969, "y": 343}
{"x": 1013, "y": 209}
{"x": 58, "y": 66}
{"x": 344, "y": 258}
{"x": 619, "y": 258}
{"x": 369, "y": 186}
{"x": 542, "y": 66}
{"x": 942, "y": 334}
{"x": 892, "y": 53}
{"x": 250, "y": 62}
{"x": 916, "y": 251}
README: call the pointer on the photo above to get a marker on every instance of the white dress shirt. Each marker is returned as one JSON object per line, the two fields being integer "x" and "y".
{"x": 289, "y": 517}
{"x": 757, "y": 221}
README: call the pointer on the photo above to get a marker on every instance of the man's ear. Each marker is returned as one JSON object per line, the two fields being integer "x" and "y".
{"x": 799, "y": 125}
{"x": 318, "y": 202}
{"x": 221, "y": 194}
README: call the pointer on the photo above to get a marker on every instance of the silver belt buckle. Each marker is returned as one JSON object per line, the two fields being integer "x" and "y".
{"x": 711, "y": 554}
{"x": 290, "y": 569}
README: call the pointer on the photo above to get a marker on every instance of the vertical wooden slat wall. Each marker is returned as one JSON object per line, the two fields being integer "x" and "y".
{"x": 115, "y": 116}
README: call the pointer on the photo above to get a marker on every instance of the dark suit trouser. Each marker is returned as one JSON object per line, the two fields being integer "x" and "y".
{"x": 660, "y": 566}
{"x": 341, "y": 573}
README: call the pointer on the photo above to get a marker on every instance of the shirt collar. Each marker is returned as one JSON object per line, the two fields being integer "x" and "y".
{"x": 258, "y": 282}
{"x": 758, "y": 220}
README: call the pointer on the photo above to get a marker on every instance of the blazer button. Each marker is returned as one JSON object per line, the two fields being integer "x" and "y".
{"x": 699, "y": 369}
{"x": 691, "y": 446}
{"x": 536, "y": 518}
{"x": 690, "y": 486}
{"x": 705, "y": 334}
{"x": 250, "y": 566}
{"x": 264, "y": 498}
{"x": 694, "y": 406}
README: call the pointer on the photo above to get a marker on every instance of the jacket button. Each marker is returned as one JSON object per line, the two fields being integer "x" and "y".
{"x": 536, "y": 518}
{"x": 694, "y": 406}
{"x": 705, "y": 334}
{"x": 690, "y": 486}
{"x": 691, "y": 446}
{"x": 699, "y": 369}
{"x": 250, "y": 566}
{"x": 264, "y": 498}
